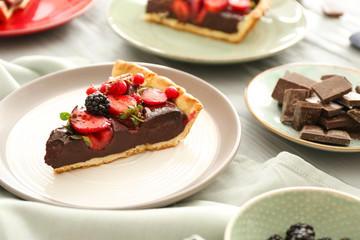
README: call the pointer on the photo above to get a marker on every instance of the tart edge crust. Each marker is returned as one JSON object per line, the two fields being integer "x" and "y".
{"x": 185, "y": 101}
{"x": 244, "y": 26}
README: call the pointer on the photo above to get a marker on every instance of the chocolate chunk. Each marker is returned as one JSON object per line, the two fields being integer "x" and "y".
{"x": 354, "y": 114}
{"x": 291, "y": 97}
{"x": 327, "y": 76}
{"x": 331, "y": 9}
{"x": 351, "y": 99}
{"x": 329, "y": 110}
{"x": 290, "y": 80}
{"x": 306, "y": 113}
{"x": 355, "y": 40}
{"x": 317, "y": 134}
{"x": 357, "y": 89}
{"x": 342, "y": 121}
{"x": 332, "y": 88}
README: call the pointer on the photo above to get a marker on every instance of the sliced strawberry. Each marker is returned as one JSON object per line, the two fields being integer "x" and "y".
{"x": 215, "y": 5}
{"x": 153, "y": 96}
{"x": 84, "y": 122}
{"x": 181, "y": 9}
{"x": 118, "y": 104}
{"x": 196, "y": 6}
{"x": 199, "y": 18}
{"x": 99, "y": 140}
{"x": 240, "y": 5}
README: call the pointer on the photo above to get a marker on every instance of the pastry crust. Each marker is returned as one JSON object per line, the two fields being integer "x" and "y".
{"x": 186, "y": 102}
{"x": 6, "y": 13}
{"x": 244, "y": 26}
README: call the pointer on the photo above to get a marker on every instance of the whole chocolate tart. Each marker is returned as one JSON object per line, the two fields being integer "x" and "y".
{"x": 229, "y": 20}
{"x": 134, "y": 110}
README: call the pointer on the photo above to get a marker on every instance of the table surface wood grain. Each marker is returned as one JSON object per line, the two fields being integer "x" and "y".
{"x": 327, "y": 41}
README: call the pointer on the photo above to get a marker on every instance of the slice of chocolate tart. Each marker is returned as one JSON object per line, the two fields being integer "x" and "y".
{"x": 134, "y": 110}
{"x": 229, "y": 20}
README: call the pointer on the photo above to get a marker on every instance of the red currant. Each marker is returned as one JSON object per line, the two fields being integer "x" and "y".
{"x": 118, "y": 88}
{"x": 139, "y": 79}
{"x": 171, "y": 92}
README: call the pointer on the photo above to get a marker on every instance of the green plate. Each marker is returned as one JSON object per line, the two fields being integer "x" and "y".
{"x": 283, "y": 26}
{"x": 332, "y": 214}
{"x": 266, "y": 110}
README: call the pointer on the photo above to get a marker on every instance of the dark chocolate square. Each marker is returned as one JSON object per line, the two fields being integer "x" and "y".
{"x": 332, "y": 88}
{"x": 291, "y": 97}
{"x": 306, "y": 113}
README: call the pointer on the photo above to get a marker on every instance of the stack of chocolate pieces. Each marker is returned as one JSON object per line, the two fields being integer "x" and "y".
{"x": 326, "y": 111}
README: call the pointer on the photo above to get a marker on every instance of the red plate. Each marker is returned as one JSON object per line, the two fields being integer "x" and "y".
{"x": 41, "y": 15}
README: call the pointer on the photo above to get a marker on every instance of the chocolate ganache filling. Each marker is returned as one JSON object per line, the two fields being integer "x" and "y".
{"x": 225, "y": 21}
{"x": 161, "y": 123}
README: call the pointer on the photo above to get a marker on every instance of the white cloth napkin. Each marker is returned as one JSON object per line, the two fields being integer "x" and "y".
{"x": 201, "y": 216}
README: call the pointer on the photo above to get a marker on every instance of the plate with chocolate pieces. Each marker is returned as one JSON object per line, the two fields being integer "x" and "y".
{"x": 317, "y": 105}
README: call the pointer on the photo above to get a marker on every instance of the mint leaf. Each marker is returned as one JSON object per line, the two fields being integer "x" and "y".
{"x": 87, "y": 141}
{"x": 65, "y": 116}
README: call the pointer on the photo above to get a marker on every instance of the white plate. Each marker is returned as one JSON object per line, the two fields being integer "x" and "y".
{"x": 266, "y": 110}
{"x": 283, "y": 26}
{"x": 151, "y": 179}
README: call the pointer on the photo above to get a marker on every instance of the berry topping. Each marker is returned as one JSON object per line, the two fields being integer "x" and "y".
{"x": 240, "y": 5}
{"x": 84, "y": 122}
{"x": 137, "y": 98}
{"x": 97, "y": 104}
{"x": 196, "y": 6}
{"x": 181, "y": 9}
{"x": 171, "y": 92}
{"x": 215, "y": 5}
{"x": 300, "y": 231}
{"x": 91, "y": 90}
{"x": 119, "y": 87}
{"x": 118, "y": 104}
{"x": 153, "y": 96}
{"x": 99, "y": 140}
{"x": 139, "y": 79}
{"x": 199, "y": 18}
{"x": 275, "y": 237}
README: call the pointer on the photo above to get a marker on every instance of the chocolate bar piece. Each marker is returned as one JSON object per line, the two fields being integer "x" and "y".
{"x": 290, "y": 80}
{"x": 332, "y": 9}
{"x": 354, "y": 114}
{"x": 291, "y": 97}
{"x": 332, "y": 88}
{"x": 306, "y": 113}
{"x": 327, "y": 76}
{"x": 329, "y": 110}
{"x": 357, "y": 89}
{"x": 342, "y": 121}
{"x": 317, "y": 134}
{"x": 351, "y": 99}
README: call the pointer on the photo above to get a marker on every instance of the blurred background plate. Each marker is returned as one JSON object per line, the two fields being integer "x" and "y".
{"x": 283, "y": 26}
{"x": 41, "y": 15}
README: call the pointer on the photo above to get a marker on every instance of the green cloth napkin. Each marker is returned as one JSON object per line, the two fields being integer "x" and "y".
{"x": 201, "y": 216}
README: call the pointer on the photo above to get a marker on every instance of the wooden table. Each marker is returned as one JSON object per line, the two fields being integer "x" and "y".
{"x": 327, "y": 41}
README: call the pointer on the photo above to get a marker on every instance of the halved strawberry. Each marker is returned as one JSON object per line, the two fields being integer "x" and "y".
{"x": 199, "y": 18}
{"x": 118, "y": 104}
{"x": 240, "y": 5}
{"x": 196, "y": 6}
{"x": 215, "y": 5}
{"x": 99, "y": 140}
{"x": 181, "y": 9}
{"x": 84, "y": 122}
{"x": 153, "y": 96}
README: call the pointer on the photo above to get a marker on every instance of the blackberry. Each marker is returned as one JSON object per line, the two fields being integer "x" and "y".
{"x": 300, "y": 231}
{"x": 275, "y": 237}
{"x": 98, "y": 104}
